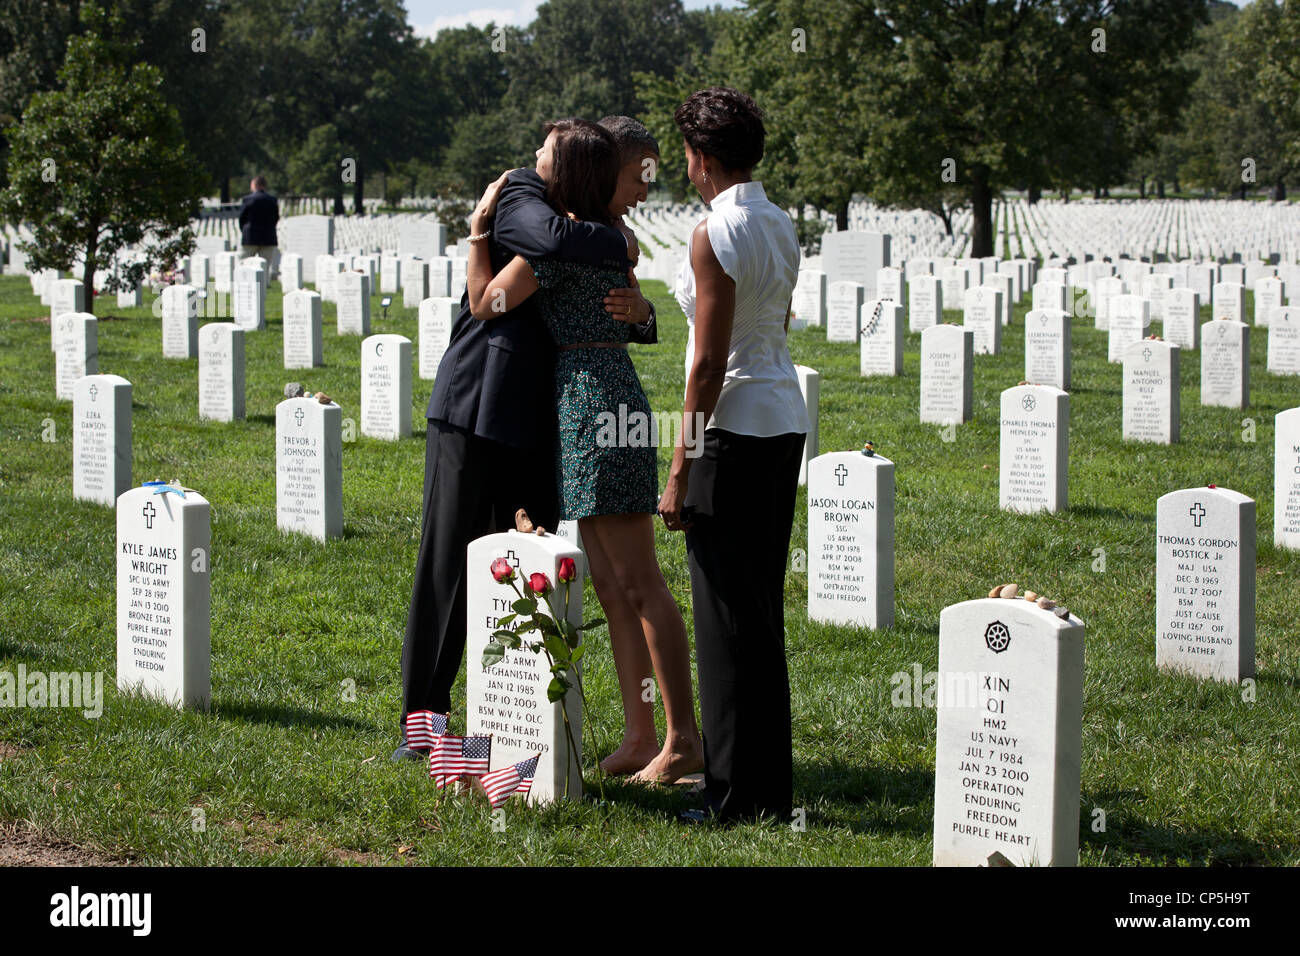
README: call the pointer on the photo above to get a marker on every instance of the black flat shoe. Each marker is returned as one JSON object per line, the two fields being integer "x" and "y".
{"x": 696, "y": 817}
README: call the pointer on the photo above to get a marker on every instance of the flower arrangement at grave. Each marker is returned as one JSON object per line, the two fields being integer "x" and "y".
{"x": 551, "y": 634}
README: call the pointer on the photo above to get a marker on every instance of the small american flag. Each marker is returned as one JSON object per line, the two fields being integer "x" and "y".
{"x": 452, "y": 757}
{"x": 513, "y": 778}
{"x": 422, "y": 727}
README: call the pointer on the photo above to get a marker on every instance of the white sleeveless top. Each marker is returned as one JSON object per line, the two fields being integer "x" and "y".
{"x": 755, "y": 243}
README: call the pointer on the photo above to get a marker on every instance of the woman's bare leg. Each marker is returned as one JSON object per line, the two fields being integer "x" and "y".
{"x": 640, "y": 742}
{"x": 626, "y": 544}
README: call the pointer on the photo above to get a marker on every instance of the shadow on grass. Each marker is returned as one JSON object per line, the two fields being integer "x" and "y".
{"x": 1099, "y": 511}
{"x": 262, "y": 419}
{"x": 255, "y": 713}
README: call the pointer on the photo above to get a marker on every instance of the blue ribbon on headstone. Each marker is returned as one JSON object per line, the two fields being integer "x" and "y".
{"x": 161, "y": 488}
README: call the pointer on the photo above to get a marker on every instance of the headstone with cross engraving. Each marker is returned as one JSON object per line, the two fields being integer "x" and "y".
{"x": 1151, "y": 392}
{"x": 101, "y": 438}
{"x": 1035, "y": 449}
{"x": 983, "y": 316}
{"x": 1286, "y": 478}
{"x": 881, "y": 338}
{"x": 851, "y": 539}
{"x": 1225, "y": 364}
{"x": 924, "y": 302}
{"x": 437, "y": 316}
{"x": 180, "y": 322}
{"x": 353, "y": 298}
{"x": 843, "y": 305}
{"x": 163, "y": 596}
{"x": 1047, "y": 347}
{"x": 810, "y": 386}
{"x": 1205, "y": 583}
{"x": 386, "y": 386}
{"x": 309, "y": 467}
{"x": 1284, "y": 341}
{"x": 947, "y": 374}
{"x": 508, "y": 700}
{"x": 1182, "y": 324}
{"x": 78, "y": 352}
{"x": 302, "y": 329}
{"x": 221, "y": 372}
{"x": 1008, "y": 745}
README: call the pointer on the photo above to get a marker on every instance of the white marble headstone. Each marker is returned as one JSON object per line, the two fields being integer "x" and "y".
{"x": 1225, "y": 364}
{"x": 436, "y": 319}
{"x": 947, "y": 374}
{"x": 1269, "y": 294}
{"x": 1205, "y": 583}
{"x": 843, "y": 305}
{"x": 78, "y": 352}
{"x": 810, "y": 386}
{"x": 291, "y": 276}
{"x": 1047, "y": 348}
{"x": 508, "y": 700}
{"x": 881, "y": 338}
{"x": 309, "y": 467}
{"x": 101, "y": 438}
{"x": 1284, "y": 341}
{"x": 66, "y": 295}
{"x": 250, "y": 308}
{"x": 924, "y": 302}
{"x": 302, "y": 329}
{"x": 440, "y": 277}
{"x": 1129, "y": 317}
{"x": 353, "y": 306}
{"x": 983, "y": 316}
{"x": 1151, "y": 392}
{"x": 851, "y": 539}
{"x": 1286, "y": 479}
{"x": 1008, "y": 743}
{"x": 415, "y": 282}
{"x": 1182, "y": 324}
{"x": 221, "y": 372}
{"x": 808, "y": 303}
{"x": 1034, "y": 449}
{"x": 1229, "y": 302}
{"x": 386, "y": 386}
{"x": 180, "y": 322}
{"x": 163, "y": 596}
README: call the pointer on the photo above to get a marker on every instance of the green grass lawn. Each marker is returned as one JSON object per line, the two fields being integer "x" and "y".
{"x": 286, "y": 769}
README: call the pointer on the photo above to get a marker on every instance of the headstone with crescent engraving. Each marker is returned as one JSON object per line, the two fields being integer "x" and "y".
{"x": 163, "y": 595}
{"x": 1008, "y": 745}
{"x": 1205, "y": 583}
{"x": 851, "y": 539}
{"x": 386, "y": 386}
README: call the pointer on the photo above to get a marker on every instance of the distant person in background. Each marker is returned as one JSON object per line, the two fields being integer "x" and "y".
{"x": 258, "y": 213}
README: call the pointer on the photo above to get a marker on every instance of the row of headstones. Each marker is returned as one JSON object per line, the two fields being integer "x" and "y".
{"x": 1008, "y": 691}
{"x": 851, "y": 502}
{"x": 1010, "y": 679}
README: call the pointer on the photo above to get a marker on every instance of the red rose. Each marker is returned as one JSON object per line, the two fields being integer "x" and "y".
{"x": 568, "y": 569}
{"x": 502, "y": 571}
{"x": 539, "y": 583}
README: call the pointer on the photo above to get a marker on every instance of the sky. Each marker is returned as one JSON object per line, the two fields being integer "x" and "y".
{"x": 427, "y": 17}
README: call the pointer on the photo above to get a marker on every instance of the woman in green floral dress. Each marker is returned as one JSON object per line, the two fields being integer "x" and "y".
{"x": 606, "y": 460}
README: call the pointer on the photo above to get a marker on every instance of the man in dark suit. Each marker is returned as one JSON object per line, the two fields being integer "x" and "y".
{"x": 259, "y": 211}
{"x": 490, "y": 445}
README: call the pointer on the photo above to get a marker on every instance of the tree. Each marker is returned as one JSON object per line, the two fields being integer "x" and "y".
{"x": 33, "y": 37}
{"x": 101, "y": 165}
{"x": 1275, "y": 32}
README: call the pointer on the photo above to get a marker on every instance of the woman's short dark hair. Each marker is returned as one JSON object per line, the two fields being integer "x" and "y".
{"x": 725, "y": 124}
{"x": 585, "y": 169}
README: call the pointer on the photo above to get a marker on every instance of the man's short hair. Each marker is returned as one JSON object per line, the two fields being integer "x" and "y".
{"x": 634, "y": 140}
{"x": 259, "y": 182}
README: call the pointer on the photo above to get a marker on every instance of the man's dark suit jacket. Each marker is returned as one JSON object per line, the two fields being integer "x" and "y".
{"x": 497, "y": 377}
{"x": 258, "y": 214}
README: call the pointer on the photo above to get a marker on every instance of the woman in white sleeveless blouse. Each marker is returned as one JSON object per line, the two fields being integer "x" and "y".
{"x": 736, "y": 500}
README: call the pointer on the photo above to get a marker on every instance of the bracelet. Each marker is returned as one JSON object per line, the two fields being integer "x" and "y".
{"x": 480, "y": 237}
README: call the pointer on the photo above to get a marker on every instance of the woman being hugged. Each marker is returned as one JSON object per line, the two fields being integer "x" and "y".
{"x": 609, "y": 488}
{"x": 735, "y": 287}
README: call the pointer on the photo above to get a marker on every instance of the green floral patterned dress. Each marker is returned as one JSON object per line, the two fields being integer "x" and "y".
{"x": 606, "y": 462}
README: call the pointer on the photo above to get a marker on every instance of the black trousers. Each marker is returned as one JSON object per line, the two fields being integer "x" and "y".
{"x": 472, "y": 487}
{"x": 743, "y": 491}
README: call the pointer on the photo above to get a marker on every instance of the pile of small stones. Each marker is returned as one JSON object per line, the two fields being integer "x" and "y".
{"x": 1012, "y": 592}
{"x": 295, "y": 390}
